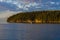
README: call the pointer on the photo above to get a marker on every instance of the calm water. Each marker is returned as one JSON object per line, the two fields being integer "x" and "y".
{"x": 29, "y": 31}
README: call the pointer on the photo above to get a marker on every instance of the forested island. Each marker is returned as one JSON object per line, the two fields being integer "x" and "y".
{"x": 38, "y": 17}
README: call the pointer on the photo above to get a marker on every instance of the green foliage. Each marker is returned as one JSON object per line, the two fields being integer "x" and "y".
{"x": 47, "y": 16}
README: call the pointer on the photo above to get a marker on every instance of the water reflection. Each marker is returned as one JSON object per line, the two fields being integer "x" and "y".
{"x": 29, "y": 32}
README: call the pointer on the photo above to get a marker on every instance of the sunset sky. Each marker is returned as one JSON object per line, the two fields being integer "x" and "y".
{"x": 9, "y": 7}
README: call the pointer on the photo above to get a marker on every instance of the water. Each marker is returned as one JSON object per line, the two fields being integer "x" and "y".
{"x": 29, "y": 32}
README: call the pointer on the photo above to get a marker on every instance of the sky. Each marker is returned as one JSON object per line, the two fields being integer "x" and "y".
{"x": 10, "y": 7}
{"x": 29, "y": 5}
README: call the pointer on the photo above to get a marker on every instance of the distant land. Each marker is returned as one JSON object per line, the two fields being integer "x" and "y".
{"x": 36, "y": 17}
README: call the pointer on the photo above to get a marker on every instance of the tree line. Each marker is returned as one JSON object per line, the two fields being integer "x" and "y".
{"x": 44, "y": 16}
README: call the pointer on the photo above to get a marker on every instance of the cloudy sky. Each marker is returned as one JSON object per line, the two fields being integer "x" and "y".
{"x": 9, "y": 7}
{"x": 29, "y": 5}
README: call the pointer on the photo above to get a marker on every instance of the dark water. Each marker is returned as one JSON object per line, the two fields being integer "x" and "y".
{"x": 29, "y": 31}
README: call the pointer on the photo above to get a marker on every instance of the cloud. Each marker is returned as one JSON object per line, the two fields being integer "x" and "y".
{"x": 21, "y": 4}
{"x": 58, "y": 3}
{"x": 52, "y": 2}
{"x": 6, "y": 14}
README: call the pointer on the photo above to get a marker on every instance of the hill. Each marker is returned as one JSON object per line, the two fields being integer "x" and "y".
{"x": 50, "y": 17}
